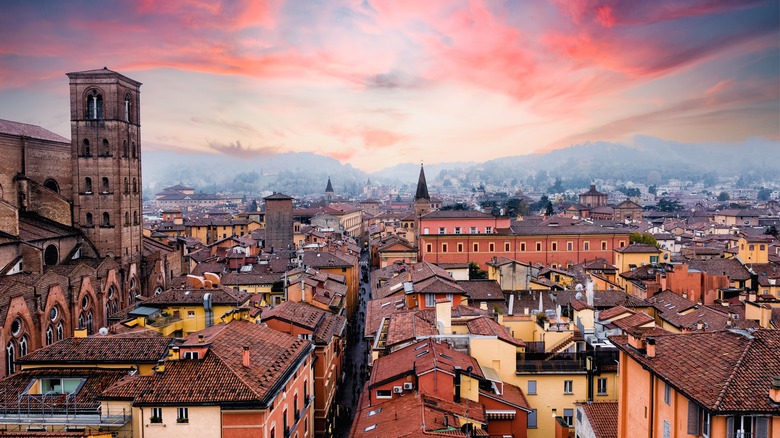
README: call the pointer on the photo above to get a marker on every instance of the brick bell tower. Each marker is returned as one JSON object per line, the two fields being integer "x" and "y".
{"x": 106, "y": 153}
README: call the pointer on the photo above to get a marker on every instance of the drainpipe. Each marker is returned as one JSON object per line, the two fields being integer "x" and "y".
{"x": 652, "y": 403}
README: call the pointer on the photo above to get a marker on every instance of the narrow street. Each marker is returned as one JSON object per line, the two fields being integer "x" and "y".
{"x": 356, "y": 360}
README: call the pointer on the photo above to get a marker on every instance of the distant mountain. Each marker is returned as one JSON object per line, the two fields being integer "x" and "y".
{"x": 306, "y": 173}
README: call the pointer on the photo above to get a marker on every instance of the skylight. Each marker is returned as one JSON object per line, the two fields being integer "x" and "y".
{"x": 369, "y": 428}
{"x": 374, "y": 412}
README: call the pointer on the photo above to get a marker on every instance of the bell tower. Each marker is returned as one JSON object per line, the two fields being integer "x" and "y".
{"x": 106, "y": 153}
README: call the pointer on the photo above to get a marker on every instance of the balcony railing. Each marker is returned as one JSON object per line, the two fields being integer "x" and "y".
{"x": 564, "y": 362}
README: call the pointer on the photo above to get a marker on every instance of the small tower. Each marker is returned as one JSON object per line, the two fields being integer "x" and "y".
{"x": 106, "y": 153}
{"x": 278, "y": 222}
{"x": 328, "y": 193}
{"x": 422, "y": 201}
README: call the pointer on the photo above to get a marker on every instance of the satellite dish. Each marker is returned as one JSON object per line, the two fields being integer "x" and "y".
{"x": 103, "y": 331}
{"x": 578, "y": 287}
{"x": 578, "y": 295}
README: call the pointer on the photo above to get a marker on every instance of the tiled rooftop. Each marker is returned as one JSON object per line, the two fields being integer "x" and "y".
{"x": 101, "y": 349}
{"x": 602, "y": 417}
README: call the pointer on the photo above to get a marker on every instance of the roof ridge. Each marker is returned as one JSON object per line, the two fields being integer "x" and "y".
{"x": 733, "y": 373}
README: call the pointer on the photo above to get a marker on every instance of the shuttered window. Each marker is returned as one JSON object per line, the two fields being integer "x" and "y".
{"x": 694, "y": 419}
{"x": 762, "y": 427}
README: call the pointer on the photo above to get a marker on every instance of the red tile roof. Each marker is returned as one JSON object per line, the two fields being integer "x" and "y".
{"x": 602, "y": 417}
{"x": 220, "y": 375}
{"x": 101, "y": 349}
{"x": 486, "y": 326}
{"x": 419, "y": 358}
{"x": 727, "y": 371}
{"x": 322, "y": 324}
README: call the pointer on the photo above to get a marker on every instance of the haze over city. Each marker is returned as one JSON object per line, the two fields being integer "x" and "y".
{"x": 375, "y": 83}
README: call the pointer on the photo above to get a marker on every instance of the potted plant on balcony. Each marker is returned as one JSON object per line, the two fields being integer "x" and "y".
{"x": 155, "y": 419}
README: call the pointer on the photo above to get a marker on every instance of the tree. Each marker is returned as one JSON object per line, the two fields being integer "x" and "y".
{"x": 516, "y": 207}
{"x": 723, "y": 197}
{"x": 253, "y": 206}
{"x": 771, "y": 230}
{"x": 475, "y": 272}
{"x": 668, "y": 205}
{"x": 542, "y": 203}
{"x": 652, "y": 190}
{"x": 549, "y": 211}
{"x": 764, "y": 194}
{"x": 645, "y": 238}
{"x": 557, "y": 187}
{"x": 456, "y": 206}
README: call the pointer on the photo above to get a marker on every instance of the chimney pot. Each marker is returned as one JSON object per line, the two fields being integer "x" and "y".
{"x": 650, "y": 347}
{"x": 774, "y": 391}
{"x": 200, "y": 338}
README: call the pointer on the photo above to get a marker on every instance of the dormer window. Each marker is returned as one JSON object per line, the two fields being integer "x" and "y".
{"x": 191, "y": 355}
{"x": 94, "y": 106}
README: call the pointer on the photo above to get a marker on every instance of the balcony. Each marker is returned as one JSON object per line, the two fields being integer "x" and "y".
{"x": 532, "y": 363}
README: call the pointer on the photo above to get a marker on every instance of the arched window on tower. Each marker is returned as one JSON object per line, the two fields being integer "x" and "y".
{"x": 127, "y": 218}
{"x": 105, "y": 151}
{"x": 88, "y": 185}
{"x": 124, "y": 149}
{"x": 51, "y": 256}
{"x": 135, "y": 151}
{"x": 135, "y": 186}
{"x": 135, "y": 218}
{"x": 52, "y": 185}
{"x": 127, "y": 107}
{"x": 104, "y": 185}
{"x": 85, "y": 150}
{"x": 127, "y": 186}
{"x": 106, "y": 219}
{"x": 88, "y": 220}
{"x": 94, "y": 106}
{"x": 10, "y": 358}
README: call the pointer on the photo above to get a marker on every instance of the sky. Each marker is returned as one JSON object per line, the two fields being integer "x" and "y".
{"x": 376, "y": 83}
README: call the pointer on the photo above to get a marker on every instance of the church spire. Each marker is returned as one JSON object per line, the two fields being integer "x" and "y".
{"x": 422, "y": 186}
{"x": 329, "y": 188}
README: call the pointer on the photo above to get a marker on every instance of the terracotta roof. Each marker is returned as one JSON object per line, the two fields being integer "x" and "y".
{"x": 482, "y": 290}
{"x": 629, "y": 323}
{"x": 407, "y": 326}
{"x": 321, "y": 324}
{"x": 32, "y": 131}
{"x": 420, "y": 358}
{"x": 381, "y": 308}
{"x": 612, "y": 312}
{"x": 602, "y": 417}
{"x": 488, "y": 327}
{"x": 423, "y": 416}
{"x": 729, "y": 267}
{"x": 512, "y": 395}
{"x": 456, "y": 214}
{"x": 221, "y": 376}
{"x": 219, "y": 295}
{"x": 725, "y": 372}
{"x": 579, "y": 305}
{"x": 101, "y": 349}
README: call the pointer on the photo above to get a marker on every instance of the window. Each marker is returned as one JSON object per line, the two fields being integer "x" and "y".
{"x": 476, "y": 247}
{"x": 51, "y": 256}
{"x": 705, "y": 425}
{"x": 135, "y": 218}
{"x": 761, "y": 247}
{"x": 127, "y": 186}
{"x": 568, "y": 386}
{"x": 443, "y": 247}
{"x": 694, "y": 418}
{"x": 94, "y": 106}
{"x": 555, "y": 246}
{"x": 667, "y": 394}
{"x": 586, "y": 246}
{"x": 104, "y": 185}
{"x": 127, "y": 218}
{"x": 127, "y": 108}
{"x": 430, "y": 300}
{"x": 105, "y": 150}
{"x": 10, "y": 358}
{"x": 182, "y": 415}
{"x": 569, "y": 246}
{"x": 532, "y": 387}
{"x": 52, "y": 185}
{"x": 488, "y": 230}
{"x": 506, "y": 246}
{"x": 622, "y": 243}
{"x": 442, "y": 230}
{"x": 667, "y": 429}
{"x": 426, "y": 230}
{"x": 156, "y": 415}
{"x": 460, "y": 247}
{"x": 88, "y": 219}
{"x": 428, "y": 248}
{"x": 538, "y": 246}
{"x": 106, "y": 219}
{"x": 602, "y": 386}
{"x": 568, "y": 416}
{"x": 135, "y": 186}
{"x": 522, "y": 247}
{"x": 603, "y": 245}
{"x": 653, "y": 259}
{"x": 124, "y": 149}
{"x": 191, "y": 355}
{"x": 60, "y": 331}
{"x": 473, "y": 230}
{"x": 135, "y": 151}
{"x": 85, "y": 149}
{"x": 57, "y": 385}
{"x": 49, "y": 336}
{"x": 384, "y": 393}
{"x": 457, "y": 230}
{"x": 532, "y": 419}
{"x": 491, "y": 247}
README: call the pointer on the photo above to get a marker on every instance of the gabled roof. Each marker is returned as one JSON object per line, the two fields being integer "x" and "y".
{"x": 725, "y": 372}
{"x": 323, "y": 325}
{"x": 420, "y": 358}
{"x": 32, "y": 131}
{"x": 602, "y": 417}
{"x": 482, "y": 290}
{"x": 101, "y": 349}
{"x": 221, "y": 376}
{"x": 219, "y": 295}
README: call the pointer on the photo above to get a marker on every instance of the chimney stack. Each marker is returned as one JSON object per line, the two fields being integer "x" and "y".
{"x": 200, "y": 338}
{"x": 245, "y": 360}
{"x": 650, "y": 345}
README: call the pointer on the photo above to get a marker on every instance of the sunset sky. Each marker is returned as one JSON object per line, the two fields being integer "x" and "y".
{"x": 376, "y": 83}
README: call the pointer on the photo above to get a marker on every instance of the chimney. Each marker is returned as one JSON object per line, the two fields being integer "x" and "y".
{"x": 80, "y": 332}
{"x": 200, "y": 338}
{"x": 650, "y": 347}
{"x": 444, "y": 316}
{"x": 456, "y": 381}
{"x": 774, "y": 391}
{"x": 699, "y": 325}
{"x": 174, "y": 353}
{"x": 160, "y": 368}
{"x": 245, "y": 360}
